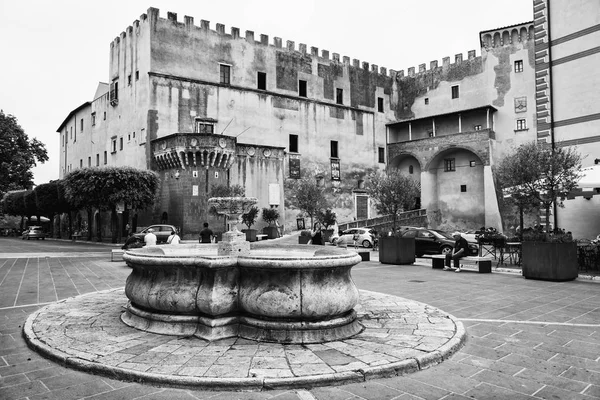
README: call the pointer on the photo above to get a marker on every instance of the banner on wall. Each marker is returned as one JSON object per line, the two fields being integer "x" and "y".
{"x": 295, "y": 166}
{"x": 335, "y": 170}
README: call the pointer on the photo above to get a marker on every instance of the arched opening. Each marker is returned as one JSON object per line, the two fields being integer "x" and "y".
{"x": 410, "y": 166}
{"x": 164, "y": 218}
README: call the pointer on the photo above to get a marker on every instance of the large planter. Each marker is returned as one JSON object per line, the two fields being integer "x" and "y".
{"x": 549, "y": 261}
{"x": 303, "y": 239}
{"x": 250, "y": 234}
{"x": 271, "y": 231}
{"x": 327, "y": 233}
{"x": 396, "y": 250}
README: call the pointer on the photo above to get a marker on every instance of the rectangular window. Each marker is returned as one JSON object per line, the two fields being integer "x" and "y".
{"x": 463, "y": 188}
{"x": 93, "y": 119}
{"x": 339, "y": 96}
{"x": 477, "y": 127}
{"x": 426, "y": 101}
{"x": 293, "y": 144}
{"x": 262, "y": 81}
{"x": 521, "y": 124}
{"x": 97, "y": 160}
{"x": 449, "y": 164}
{"x": 129, "y": 79}
{"x": 519, "y": 66}
{"x": 334, "y": 149}
{"x": 455, "y": 92}
{"x": 381, "y": 155}
{"x": 81, "y": 130}
{"x": 89, "y": 161}
{"x": 105, "y": 157}
{"x": 225, "y": 74}
{"x": 142, "y": 136}
{"x": 113, "y": 145}
{"x": 472, "y": 163}
{"x": 203, "y": 127}
{"x": 302, "y": 88}
{"x": 121, "y": 143}
{"x": 105, "y": 115}
{"x": 380, "y": 104}
{"x": 80, "y": 163}
{"x": 114, "y": 93}
{"x": 137, "y": 75}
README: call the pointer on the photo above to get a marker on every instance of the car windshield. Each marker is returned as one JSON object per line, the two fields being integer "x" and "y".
{"x": 443, "y": 234}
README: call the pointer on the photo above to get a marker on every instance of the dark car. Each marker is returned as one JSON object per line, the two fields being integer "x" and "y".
{"x": 162, "y": 233}
{"x": 34, "y": 232}
{"x": 432, "y": 241}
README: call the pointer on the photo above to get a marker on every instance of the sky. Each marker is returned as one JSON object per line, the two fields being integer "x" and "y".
{"x": 54, "y": 53}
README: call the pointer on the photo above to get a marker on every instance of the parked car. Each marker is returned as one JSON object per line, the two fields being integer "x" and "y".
{"x": 34, "y": 232}
{"x": 432, "y": 241}
{"x": 161, "y": 231}
{"x": 364, "y": 237}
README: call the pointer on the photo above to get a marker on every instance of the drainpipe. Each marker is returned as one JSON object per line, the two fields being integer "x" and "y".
{"x": 553, "y": 144}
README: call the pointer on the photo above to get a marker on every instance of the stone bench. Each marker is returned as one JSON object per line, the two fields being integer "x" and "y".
{"x": 116, "y": 254}
{"x": 261, "y": 237}
{"x": 484, "y": 263}
{"x": 75, "y": 237}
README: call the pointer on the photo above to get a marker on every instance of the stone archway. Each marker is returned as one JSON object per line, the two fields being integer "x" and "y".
{"x": 409, "y": 165}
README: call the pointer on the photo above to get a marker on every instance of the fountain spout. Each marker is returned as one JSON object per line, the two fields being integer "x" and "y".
{"x": 234, "y": 242}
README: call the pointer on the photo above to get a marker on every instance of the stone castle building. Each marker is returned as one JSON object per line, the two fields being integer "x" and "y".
{"x": 202, "y": 106}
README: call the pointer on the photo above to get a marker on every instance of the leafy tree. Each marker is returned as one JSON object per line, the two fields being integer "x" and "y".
{"x": 51, "y": 201}
{"x": 393, "y": 192}
{"x": 327, "y": 218}
{"x": 539, "y": 173}
{"x": 13, "y": 203}
{"x": 249, "y": 218}
{"x": 270, "y": 215}
{"x": 18, "y": 154}
{"x": 308, "y": 197}
{"x": 31, "y": 206}
{"x": 104, "y": 188}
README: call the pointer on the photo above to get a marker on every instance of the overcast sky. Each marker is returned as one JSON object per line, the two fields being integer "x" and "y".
{"x": 54, "y": 53}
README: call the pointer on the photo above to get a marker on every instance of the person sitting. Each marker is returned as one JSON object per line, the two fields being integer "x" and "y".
{"x": 461, "y": 247}
{"x": 150, "y": 238}
{"x": 173, "y": 238}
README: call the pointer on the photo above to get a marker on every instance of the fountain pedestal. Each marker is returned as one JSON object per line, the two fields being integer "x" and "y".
{"x": 234, "y": 244}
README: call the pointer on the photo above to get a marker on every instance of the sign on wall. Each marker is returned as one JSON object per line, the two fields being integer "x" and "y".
{"x": 194, "y": 190}
{"x": 274, "y": 194}
{"x": 295, "y": 166}
{"x": 335, "y": 170}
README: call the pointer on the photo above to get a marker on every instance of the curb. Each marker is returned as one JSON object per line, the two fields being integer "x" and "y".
{"x": 407, "y": 366}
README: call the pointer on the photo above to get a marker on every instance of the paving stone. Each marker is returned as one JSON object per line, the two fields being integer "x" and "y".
{"x": 73, "y": 392}
{"x": 551, "y": 392}
{"x": 414, "y": 387}
{"x": 515, "y": 383}
{"x": 548, "y": 367}
{"x": 372, "y": 390}
{"x": 64, "y": 380}
{"x": 25, "y": 389}
{"x": 582, "y": 375}
{"x": 492, "y": 392}
{"x": 13, "y": 380}
{"x": 556, "y": 381}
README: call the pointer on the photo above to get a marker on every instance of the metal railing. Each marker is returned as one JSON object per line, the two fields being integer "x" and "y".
{"x": 386, "y": 219}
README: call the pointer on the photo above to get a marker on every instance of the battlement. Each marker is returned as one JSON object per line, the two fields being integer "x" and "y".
{"x": 152, "y": 16}
{"x": 434, "y": 65}
{"x": 507, "y": 35}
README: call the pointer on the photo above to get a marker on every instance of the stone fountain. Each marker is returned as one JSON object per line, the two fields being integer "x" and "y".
{"x": 258, "y": 291}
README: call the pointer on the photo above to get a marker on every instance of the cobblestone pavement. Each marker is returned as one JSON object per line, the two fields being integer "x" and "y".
{"x": 525, "y": 339}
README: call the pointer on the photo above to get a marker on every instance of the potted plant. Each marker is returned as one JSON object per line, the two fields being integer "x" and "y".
{"x": 270, "y": 216}
{"x": 304, "y": 237}
{"x": 249, "y": 219}
{"x": 394, "y": 193}
{"x": 546, "y": 174}
{"x": 327, "y": 218}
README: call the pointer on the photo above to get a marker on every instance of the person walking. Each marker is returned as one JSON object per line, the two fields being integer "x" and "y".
{"x": 206, "y": 234}
{"x": 461, "y": 249}
{"x": 317, "y": 236}
{"x": 150, "y": 238}
{"x": 173, "y": 238}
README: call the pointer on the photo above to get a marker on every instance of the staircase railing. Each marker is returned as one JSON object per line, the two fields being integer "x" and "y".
{"x": 386, "y": 219}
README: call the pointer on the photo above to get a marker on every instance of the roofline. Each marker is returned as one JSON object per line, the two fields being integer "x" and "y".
{"x": 87, "y": 103}
{"x": 487, "y": 106}
{"x": 506, "y": 27}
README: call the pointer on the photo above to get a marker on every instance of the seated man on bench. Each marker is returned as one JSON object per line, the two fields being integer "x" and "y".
{"x": 461, "y": 249}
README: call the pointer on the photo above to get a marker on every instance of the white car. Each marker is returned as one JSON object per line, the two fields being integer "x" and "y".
{"x": 364, "y": 237}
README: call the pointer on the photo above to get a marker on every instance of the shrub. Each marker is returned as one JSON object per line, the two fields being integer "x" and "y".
{"x": 305, "y": 233}
{"x": 249, "y": 218}
{"x": 270, "y": 215}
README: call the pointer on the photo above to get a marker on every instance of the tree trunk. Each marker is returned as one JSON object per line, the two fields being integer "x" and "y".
{"x": 114, "y": 224}
{"x": 58, "y": 230}
{"x": 70, "y": 233}
{"x": 51, "y": 216}
{"x": 99, "y": 227}
{"x": 90, "y": 215}
{"x": 521, "y": 223}
{"x": 548, "y": 218}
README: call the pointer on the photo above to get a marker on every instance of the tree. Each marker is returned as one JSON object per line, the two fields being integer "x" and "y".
{"x": 249, "y": 218}
{"x": 538, "y": 173}
{"x": 393, "y": 192}
{"x": 308, "y": 197}
{"x": 13, "y": 203}
{"x": 327, "y": 218}
{"x": 18, "y": 154}
{"x": 50, "y": 198}
{"x": 104, "y": 188}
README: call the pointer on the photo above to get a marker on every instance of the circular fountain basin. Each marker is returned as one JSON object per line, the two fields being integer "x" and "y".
{"x": 291, "y": 294}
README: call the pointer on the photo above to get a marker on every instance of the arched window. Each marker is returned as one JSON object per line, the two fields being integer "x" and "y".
{"x": 411, "y": 170}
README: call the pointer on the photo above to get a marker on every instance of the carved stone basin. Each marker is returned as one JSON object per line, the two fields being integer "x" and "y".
{"x": 284, "y": 294}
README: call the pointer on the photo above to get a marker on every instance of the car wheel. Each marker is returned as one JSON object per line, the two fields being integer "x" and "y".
{"x": 446, "y": 250}
{"x": 366, "y": 243}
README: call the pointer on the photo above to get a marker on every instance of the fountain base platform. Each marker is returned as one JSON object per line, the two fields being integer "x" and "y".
{"x": 400, "y": 336}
